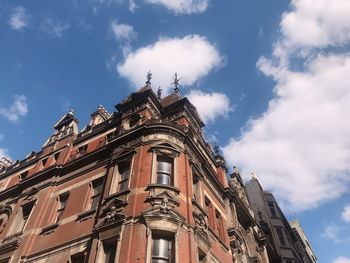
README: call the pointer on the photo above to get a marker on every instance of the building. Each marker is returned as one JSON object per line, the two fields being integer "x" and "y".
{"x": 137, "y": 185}
{"x": 282, "y": 239}
{"x": 309, "y": 255}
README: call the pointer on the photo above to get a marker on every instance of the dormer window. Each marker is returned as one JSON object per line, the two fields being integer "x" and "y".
{"x": 164, "y": 170}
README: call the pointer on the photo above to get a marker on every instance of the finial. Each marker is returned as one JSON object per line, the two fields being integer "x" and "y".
{"x": 216, "y": 149}
{"x": 71, "y": 112}
{"x": 253, "y": 175}
{"x": 235, "y": 170}
{"x": 176, "y": 83}
{"x": 159, "y": 93}
{"x": 149, "y": 77}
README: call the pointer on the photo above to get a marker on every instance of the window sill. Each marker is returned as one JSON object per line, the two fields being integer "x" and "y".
{"x": 164, "y": 186}
{"x": 86, "y": 215}
{"x": 49, "y": 229}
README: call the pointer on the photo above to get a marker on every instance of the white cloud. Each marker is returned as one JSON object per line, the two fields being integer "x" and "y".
{"x": 182, "y": 6}
{"x": 54, "y": 28}
{"x": 327, "y": 23}
{"x": 192, "y": 57}
{"x": 132, "y": 5}
{"x": 18, "y": 109}
{"x": 123, "y": 32}
{"x": 331, "y": 232}
{"x": 346, "y": 213}
{"x": 210, "y": 105}
{"x": 3, "y": 152}
{"x": 341, "y": 260}
{"x": 18, "y": 18}
{"x": 300, "y": 147}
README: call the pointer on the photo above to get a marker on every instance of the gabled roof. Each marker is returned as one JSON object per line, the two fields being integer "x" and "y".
{"x": 66, "y": 119}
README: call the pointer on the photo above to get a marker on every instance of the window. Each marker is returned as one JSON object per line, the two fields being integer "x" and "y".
{"x": 220, "y": 225}
{"x": 44, "y": 161}
{"x": 109, "y": 249}
{"x": 281, "y": 236}
{"x": 97, "y": 189}
{"x": 196, "y": 188}
{"x": 272, "y": 208}
{"x": 202, "y": 257}
{"x": 63, "y": 200}
{"x": 162, "y": 249}
{"x": 210, "y": 212}
{"x": 164, "y": 170}
{"x": 124, "y": 173}
{"x": 21, "y": 219}
{"x": 24, "y": 175}
{"x": 78, "y": 258}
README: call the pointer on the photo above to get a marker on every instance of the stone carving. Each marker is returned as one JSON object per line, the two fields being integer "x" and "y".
{"x": 164, "y": 206}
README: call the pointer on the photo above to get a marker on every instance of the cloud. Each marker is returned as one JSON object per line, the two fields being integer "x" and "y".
{"x": 192, "y": 57}
{"x": 210, "y": 105}
{"x": 123, "y": 32}
{"x": 18, "y": 109}
{"x": 327, "y": 23}
{"x": 18, "y": 18}
{"x": 299, "y": 147}
{"x": 346, "y": 213}
{"x": 53, "y": 28}
{"x": 331, "y": 232}
{"x": 3, "y": 152}
{"x": 182, "y": 6}
{"x": 341, "y": 260}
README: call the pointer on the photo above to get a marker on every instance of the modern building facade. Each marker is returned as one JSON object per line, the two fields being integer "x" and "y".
{"x": 137, "y": 185}
{"x": 308, "y": 255}
{"x": 282, "y": 239}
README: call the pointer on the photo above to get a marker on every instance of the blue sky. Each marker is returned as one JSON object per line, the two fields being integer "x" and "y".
{"x": 269, "y": 78}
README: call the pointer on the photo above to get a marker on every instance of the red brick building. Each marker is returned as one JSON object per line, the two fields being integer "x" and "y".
{"x": 138, "y": 185}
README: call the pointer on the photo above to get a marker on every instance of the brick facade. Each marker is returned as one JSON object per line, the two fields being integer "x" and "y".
{"x": 138, "y": 185}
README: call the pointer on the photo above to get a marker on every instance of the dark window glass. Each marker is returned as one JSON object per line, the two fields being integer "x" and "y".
{"x": 281, "y": 236}
{"x": 162, "y": 250}
{"x": 124, "y": 173}
{"x": 97, "y": 188}
{"x": 164, "y": 170}
{"x": 63, "y": 200}
{"x": 110, "y": 250}
{"x": 78, "y": 258}
{"x": 272, "y": 209}
{"x": 26, "y": 210}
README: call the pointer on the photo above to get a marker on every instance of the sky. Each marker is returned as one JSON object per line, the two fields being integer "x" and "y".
{"x": 270, "y": 79}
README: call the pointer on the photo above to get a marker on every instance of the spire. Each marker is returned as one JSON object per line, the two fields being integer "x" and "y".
{"x": 159, "y": 93}
{"x": 149, "y": 77}
{"x": 176, "y": 83}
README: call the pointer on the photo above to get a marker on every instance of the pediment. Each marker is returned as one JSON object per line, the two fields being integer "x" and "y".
{"x": 122, "y": 152}
{"x": 164, "y": 198}
{"x": 165, "y": 147}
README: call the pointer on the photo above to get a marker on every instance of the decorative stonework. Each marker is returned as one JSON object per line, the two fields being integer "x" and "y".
{"x": 11, "y": 242}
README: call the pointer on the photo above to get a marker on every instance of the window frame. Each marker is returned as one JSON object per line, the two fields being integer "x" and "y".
{"x": 116, "y": 178}
{"x": 168, "y": 174}
{"x": 62, "y": 199}
{"x": 14, "y": 229}
{"x": 96, "y": 196}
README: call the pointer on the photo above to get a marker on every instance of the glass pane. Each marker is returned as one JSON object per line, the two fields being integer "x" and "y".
{"x": 163, "y": 179}
{"x": 123, "y": 185}
{"x": 165, "y": 165}
{"x": 109, "y": 252}
{"x": 95, "y": 202}
{"x": 124, "y": 170}
{"x": 97, "y": 185}
{"x": 161, "y": 248}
